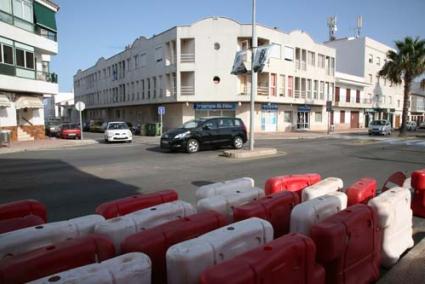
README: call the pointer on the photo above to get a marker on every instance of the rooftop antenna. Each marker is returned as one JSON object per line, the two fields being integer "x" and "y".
{"x": 359, "y": 26}
{"x": 332, "y": 27}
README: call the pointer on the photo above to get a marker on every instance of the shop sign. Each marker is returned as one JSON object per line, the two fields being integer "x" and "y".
{"x": 214, "y": 106}
{"x": 269, "y": 107}
{"x": 304, "y": 108}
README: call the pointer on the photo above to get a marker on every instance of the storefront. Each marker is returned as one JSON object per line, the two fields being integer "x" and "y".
{"x": 269, "y": 115}
{"x": 303, "y": 117}
{"x": 214, "y": 109}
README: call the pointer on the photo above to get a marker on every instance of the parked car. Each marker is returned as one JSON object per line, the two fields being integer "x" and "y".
{"x": 70, "y": 130}
{"x": 135, "y": 130}
{"x": 411, "y": 125}
{"x": 97, "y": 126}
{"x": 380, "y": 127}
{"x": 86, "y": 126}
{"x": 217, "y": 131}
{"x": 52, "y": 128}
{"x": 422, "y": 125}
{"x": 118, "y": 131}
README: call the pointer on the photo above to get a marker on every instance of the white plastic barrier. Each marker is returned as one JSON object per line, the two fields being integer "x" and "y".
{"x": 187, "y": 260}
{"x": 24, "y": 240}
{"x": 224, "y": 187}
{"x": 325, "y": 186}
{"x": 408, "y": 183}
{"x": 117, "y": 229}
{"x": 311, "y": 212}
{"x": 225, "y": 203}
{"x": 395, "y": 218}
{"x": 129, "y": 268}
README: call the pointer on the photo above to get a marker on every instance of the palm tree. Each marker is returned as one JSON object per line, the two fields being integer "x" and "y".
{"x": 403, "y": 66}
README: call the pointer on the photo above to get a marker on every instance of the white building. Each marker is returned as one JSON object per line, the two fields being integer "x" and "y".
{"x": 364, "y": 57}
{"x": 417, "y": 103}
{"x": 27, "y": 43}
{"x": 60, "y": 107}
{"x": 187, "y": 69}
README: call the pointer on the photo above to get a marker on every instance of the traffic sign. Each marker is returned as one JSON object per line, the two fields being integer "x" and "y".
{"x": 80, "y": 106}
{"x": 161, "y": 110}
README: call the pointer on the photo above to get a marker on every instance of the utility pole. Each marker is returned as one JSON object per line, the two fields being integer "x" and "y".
{"x": 253, "y": 78}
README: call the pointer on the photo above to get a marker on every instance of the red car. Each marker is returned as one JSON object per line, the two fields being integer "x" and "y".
{"x": 70, "y": 130}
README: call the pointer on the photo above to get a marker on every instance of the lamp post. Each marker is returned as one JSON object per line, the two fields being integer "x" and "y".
{"x": 253, "y": 78}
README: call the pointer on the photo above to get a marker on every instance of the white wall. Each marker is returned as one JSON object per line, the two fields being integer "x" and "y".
{"x": 8, "y": 116}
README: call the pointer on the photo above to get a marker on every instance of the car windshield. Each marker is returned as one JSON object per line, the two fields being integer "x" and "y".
{"x": 117, "y": 126}
{"x": 378, "y": 122}
{"x": 70, "y": 126}
{"x": 191, "y": 124}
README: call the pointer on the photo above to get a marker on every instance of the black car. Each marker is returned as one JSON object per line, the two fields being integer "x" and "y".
{"x": 217, "y": 131}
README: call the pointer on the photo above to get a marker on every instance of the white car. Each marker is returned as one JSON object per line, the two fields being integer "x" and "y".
{"x": 118, "y": 131}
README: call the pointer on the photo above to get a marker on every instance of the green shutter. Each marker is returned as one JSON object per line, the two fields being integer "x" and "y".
{"x": 44, "y": 17}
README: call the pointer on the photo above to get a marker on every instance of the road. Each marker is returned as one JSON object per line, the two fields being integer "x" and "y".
{"x": 73, "y": 181}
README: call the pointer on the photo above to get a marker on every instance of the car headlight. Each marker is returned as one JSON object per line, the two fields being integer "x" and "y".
{"x": 182, "y": 135}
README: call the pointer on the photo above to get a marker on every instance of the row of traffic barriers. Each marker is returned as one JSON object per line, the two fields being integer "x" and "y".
{"x": 299, "y": 229}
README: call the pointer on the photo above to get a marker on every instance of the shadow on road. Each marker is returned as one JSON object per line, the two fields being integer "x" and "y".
{"x": 201, "y": 182}
{"x": 65, "y": 190}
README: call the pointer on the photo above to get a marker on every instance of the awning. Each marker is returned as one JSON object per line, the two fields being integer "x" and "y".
{"x": 28, "y": 102}
{"x": 44, "y": 17}
{"x": 4, "y": 101}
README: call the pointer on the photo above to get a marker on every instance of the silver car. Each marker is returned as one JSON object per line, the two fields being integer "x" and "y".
{"x": 380, "y": 127}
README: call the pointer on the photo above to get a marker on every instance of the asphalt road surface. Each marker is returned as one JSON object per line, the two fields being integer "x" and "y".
{"x": 73, "y": 181}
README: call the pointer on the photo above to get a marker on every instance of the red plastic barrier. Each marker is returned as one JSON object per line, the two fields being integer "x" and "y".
{"x": 397, "y": 179}
{"x": 418, "y": 180}
{"x": 23, "y": 208}
{"x": 155, "y": 242}
{"x": 275, "y": 208}
{"x": 133, "y": 203}
{"x": 361, "y": 191}
{"x": 290, "y": 183}
{"x": 349, "y": 245}
{"x": 13, "y": 224}
{"x": 288, "y": 259}
{"x": 56, "y": 258}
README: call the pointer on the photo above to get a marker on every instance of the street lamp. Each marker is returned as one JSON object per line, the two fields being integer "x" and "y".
{"x": 253, "y": 78}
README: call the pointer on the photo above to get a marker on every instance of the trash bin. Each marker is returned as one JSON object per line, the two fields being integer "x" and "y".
{"x": 153, "y": 129}
{"x": 5, "y": 137}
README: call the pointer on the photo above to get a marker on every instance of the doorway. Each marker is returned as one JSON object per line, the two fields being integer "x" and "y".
{"x": 269, "y": 121}
{"x": 303, "y": 120}
{"x": 354, "y": 122}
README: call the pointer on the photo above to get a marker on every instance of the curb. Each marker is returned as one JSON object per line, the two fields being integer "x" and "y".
{"x": 12, "y": 150}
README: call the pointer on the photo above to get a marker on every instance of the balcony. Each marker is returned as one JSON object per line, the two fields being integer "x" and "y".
{"x": 187, "y": 57}
{"x": 187, "y": 50}
{"x": 27, "y": 85}
{"x": 187, "y": 90}
{"x": 263, "y": 90}
{"x": 47, "y": 77}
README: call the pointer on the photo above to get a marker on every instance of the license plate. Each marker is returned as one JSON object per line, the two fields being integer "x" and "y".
{"x": 164, "y": 142}
{"x": 71, "y": 134}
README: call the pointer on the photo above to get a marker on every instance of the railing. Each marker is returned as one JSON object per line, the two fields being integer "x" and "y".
{"x": 263, "y": 90}
{"x": 187, "y": 57}
{"x": 303, "y": 94}
{"x": 47, "y": 77}
{"x": 282, "y": 92}
{"x": 303, "y": 65}
{"x": 45, "y": 33}
{"x": 297, "y": 94}
{"x": 297, "y": 64}
{"x": 187, "y": 90}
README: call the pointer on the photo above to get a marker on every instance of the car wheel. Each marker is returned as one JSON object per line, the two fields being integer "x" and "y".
{"x": 192, "y": 146}
{"x": 237, "y": 142}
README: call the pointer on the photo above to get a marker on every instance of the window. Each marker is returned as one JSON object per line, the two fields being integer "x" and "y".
{"x": 289, "y": 53}
{"x": 136, "y": 61}
{"x": 7, "y": 54}
{"x": 378, "y": 61}
{"x": 322, "y": 90}
{"x": 290, "y": 86}
{"x": 348, "y": 96}
{"x": 23, "y": 9}
{"x": 318, "y": 117}
{"x": 6, "y": 5}
{"x": 143, "y": 60}
{"x": 20, "y": 58}
{"x": 282, "y": 86}
{"x": 158, "y": 54}
{"x": 370, "y": 58}
{"x": 342, "y": 116}
{"x": 337, "y": 94}
{"x": 29, "y": 60}
{"x": 287, "y": 116}
{"x": 315, "y": 89}
{"x": 321, "y": 61}
{"x": 276, "y": 51}
{"x": 311, "y": 58}
{"x": 358, "y": 96}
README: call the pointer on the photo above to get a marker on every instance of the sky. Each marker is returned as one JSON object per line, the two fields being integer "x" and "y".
{"x": 90, "y": 29}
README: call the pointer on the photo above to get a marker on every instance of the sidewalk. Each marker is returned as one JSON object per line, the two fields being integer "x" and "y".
{"x": 46, "y": 144}
{"x": 305, "y": 134}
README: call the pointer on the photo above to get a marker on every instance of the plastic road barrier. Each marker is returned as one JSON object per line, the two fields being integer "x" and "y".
{"x": 395, "y": 218}
{"x": 349, "y": 245}
{"x": 187, "y": 260}
{"x": 361, "y": 191}
{"x": 155, "y": 242}
{"x": 55, "y": 258}
{"x": 394, "y": 180}
{"x": 288, "y": 259}
{"x": 294, "y": 183}
{"x": 23, "y": 208}
{"x": 24, "y": 240}
{"x": 275, "y": 208}
{"x": 220, "y": 188}
{"x": 133, "y": 203}
{"x": 131, "y": 268}
{"x": 224, "y": 204}
{"x": 418, "y": 184}
{"x": 328, "y": 185}
{"x": 17, "y": 223}
{"x": 117, "y": 229}
{"x": 311, "y": 212}
{"x": 407, "y": 183}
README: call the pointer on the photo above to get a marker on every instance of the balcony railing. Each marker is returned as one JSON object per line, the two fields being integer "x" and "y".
{"x": 263, "y": 90}
{"x": 47, "y": 77}
{"x": 297, "y": 94}
{"x": 187, "y": 90}
{"x": 187, "y": 57}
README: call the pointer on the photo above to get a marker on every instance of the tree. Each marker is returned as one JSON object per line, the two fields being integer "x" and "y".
{"x": 403, "y": 66}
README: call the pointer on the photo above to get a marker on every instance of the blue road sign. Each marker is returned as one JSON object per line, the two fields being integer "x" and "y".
{"x": 161, "y": 110}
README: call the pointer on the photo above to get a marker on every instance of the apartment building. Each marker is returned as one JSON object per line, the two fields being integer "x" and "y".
{"x": 60, "y": 107}
{"x": 27, "y": 43}
{"x": 187, "y": 70}
{"x": 364, "y": 57}
{"x": 417, "y": 103}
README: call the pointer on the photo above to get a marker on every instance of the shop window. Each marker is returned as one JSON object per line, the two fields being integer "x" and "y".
{"x": 318, "y": 117}
{"x": 287, "y": 116}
